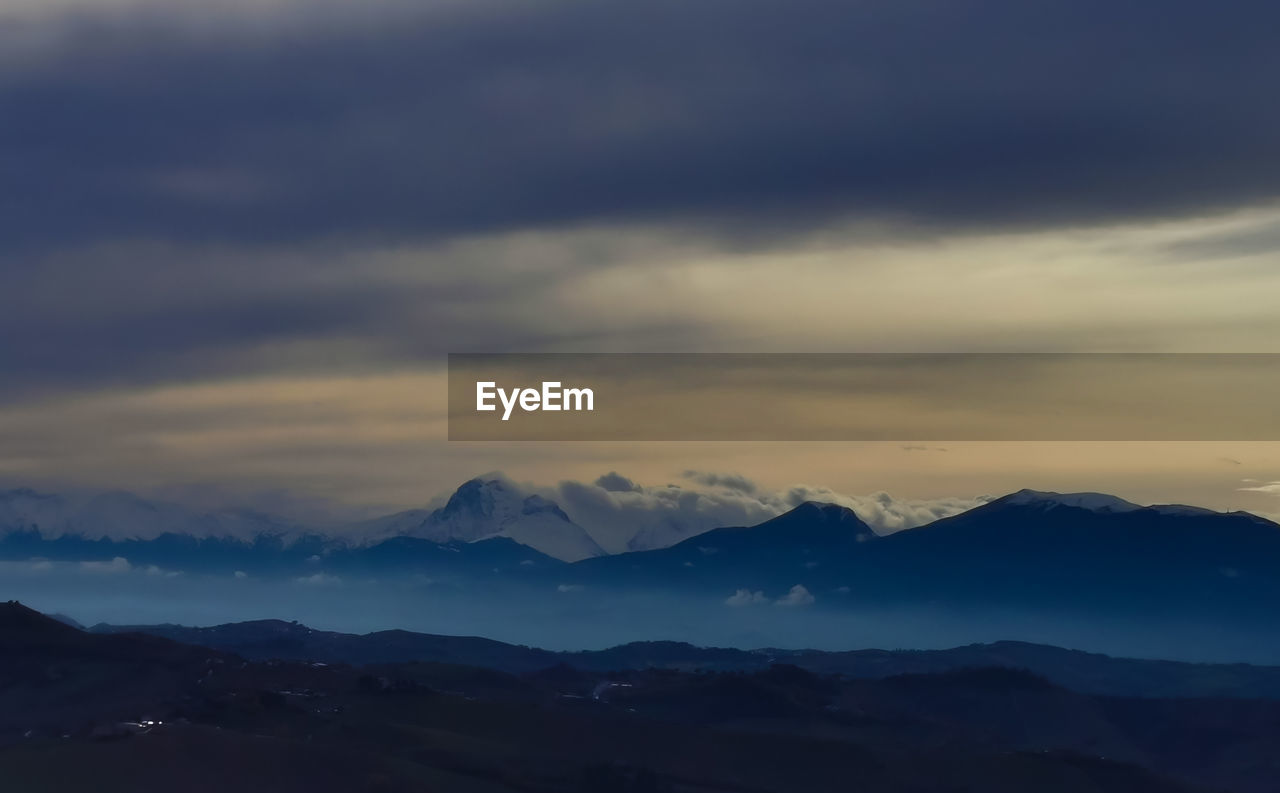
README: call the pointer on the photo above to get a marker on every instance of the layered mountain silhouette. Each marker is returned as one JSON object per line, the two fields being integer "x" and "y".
{"x": 126, "y": 711}
{"x": 1029, "y": 550}
{"x": 1092, "y": 549}
{"x": 1091, "y": 673}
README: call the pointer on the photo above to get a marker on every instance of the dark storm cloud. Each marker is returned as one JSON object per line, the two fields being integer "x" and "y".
{"x": 961, "y": 113}
{"x": 180, "y": 201}
{"x": 175, "y": 340}
{"x": 141, "y": 313}
{"x": 353, "y": 326}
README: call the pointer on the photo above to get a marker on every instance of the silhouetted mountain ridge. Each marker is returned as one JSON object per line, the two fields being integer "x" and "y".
{"x": 1091, "y": 673}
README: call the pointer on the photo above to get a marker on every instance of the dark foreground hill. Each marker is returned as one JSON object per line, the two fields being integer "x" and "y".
{"x": 225, "y": 723}
{"x": 291, "y": 641}
{"x": 53, "y": 675}
{"x": 1089, "y": 673}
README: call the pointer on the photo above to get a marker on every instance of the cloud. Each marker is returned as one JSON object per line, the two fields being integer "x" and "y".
{"x": 651, "y": 517}
{"x": 751, "y": 116}
{"x": 117, "y": 565}
{"x": 1251, "y": 238}
{"x": 797, "y": 596}
{"x": 746, "y": 597}
{"x": 726, "y": 481}
{"x": 319, "y": 579}
{"x": 886, "y": 513}
{"x": 214, "y": 311}
{"x": 616, "y": 483}
{"x": 641, "y": 517}
{"x": 563, "y": 588}
{"x": 1272, "y": 488}
{"x": 257, "y": 188}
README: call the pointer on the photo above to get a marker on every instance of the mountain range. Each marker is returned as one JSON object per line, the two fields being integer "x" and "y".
{"x": 481, "y": 509}
{"x": 1027, "y": 559}
{"x": 125, "y": 525}
{"x": 1089, "y": 673}
{"x": 484, "y": 508}
{"x": 126, "y": 711}
{"x": 1027, "y": 549}
{"x": 124, "y": 516}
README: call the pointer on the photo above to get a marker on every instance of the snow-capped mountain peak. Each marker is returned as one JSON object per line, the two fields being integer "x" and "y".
{"x": 482, "y": 508}
{"x": 1094, "y": 502}
{"x": 494, "y": 506}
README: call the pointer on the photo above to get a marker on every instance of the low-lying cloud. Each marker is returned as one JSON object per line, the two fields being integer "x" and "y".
{"x": 1255, "y": 486}
{"x": 726, "y": 481}
{"x": 797, "y": 596}
{"x": 623, "y": 515}
{"x": 319, "y": 579}
{"x": 746, "y": 597}
{"x": 117, "y": 565}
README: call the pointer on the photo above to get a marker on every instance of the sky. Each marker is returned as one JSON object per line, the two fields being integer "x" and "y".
{"x": 238, "y": 237}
